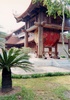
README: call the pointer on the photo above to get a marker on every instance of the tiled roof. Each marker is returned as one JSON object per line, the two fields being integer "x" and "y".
{"x": 15, "y": 40}
{"x": 12, "y": 40}
{"x": 23, "y": 40}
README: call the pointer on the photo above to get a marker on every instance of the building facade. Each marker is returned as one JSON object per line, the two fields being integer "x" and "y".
{"x": 45, "y": 29}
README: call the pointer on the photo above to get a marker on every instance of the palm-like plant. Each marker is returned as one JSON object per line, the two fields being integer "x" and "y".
{"x": 12, "y": 58}
{"x": 3, "y": 34}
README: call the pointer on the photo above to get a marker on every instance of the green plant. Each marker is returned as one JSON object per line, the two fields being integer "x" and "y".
{"x": 54, "y": 7}
{"x": 2, "y": 37}
{"x": 12, "y": 58}
{"x": 21, "y": 76}
{"x": 40, "y": 75}
{"x": 24, "y": 94}
{"x": 68, "y": 35}
{"x": 36, "y": 75}
{"x": 26, "y": 50}
{"x": 60, "y": 92}
{"x": 63, "y": 56}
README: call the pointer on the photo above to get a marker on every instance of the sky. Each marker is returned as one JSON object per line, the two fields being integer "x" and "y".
{"x": 7, "y": 9}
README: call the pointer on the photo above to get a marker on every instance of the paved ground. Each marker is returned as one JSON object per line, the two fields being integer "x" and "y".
{"x": 42, "y": 66}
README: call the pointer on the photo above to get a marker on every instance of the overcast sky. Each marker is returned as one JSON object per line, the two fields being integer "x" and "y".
{"x": 7, "y": 8}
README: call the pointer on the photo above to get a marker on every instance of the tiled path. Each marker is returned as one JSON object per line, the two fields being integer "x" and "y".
{"x": 42, "y": 66}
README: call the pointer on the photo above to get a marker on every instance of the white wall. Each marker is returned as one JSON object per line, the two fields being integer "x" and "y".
{"x": 61, "y": 51}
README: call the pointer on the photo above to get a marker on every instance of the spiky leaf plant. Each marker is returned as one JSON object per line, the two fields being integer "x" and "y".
{"x": 12, "y": 58}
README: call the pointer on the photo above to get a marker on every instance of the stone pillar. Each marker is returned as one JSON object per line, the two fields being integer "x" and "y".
{"x": 40, "y": 35}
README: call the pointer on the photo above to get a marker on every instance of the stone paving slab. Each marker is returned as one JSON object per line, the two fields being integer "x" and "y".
{"x": 47, "y": 69}
{"x": 43, "y": 66}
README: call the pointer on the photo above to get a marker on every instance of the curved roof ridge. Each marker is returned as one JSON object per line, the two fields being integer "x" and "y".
{"x": 27, "y": 12}
{"x": 19, "y": 17}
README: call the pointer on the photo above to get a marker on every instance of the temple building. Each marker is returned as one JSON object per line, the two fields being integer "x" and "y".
{"x": 17, "y": 39}
{"x": 45, "y": 30}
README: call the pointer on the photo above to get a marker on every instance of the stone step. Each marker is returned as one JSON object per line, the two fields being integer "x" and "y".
{"x": 62, "y": 63}
{"x": 50, "y": 62}
{"x": 41, "y": 62}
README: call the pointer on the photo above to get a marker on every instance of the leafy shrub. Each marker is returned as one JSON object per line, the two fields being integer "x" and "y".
{"x": 21, "y": 76}
{"x": 68, "y": 35}
{"x": 40, "y": 75}
{"x": 48, "y": 74}
{"x": 63, "y": 56}
{"x": 36, "y": 75}
{"x": 26, "y": 50}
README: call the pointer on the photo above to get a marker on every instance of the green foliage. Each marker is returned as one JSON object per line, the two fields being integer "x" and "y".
{"x": 62, "y": 56}
{"x": 39, "y": 75}
{"x": 35, "y": 1}
{"x": 54, "y": 7}
{"x": 2, "y": 37}
{"x": 14, "y": 76}
{"x": 36, "y": 75}
{"x": 68, "y": 35}
{"x": 14, "y": 58}
{"x": 27, "y": 94}
{"x": 46, "y": 88}
{"x": 25, "y": 50}
{"x": 60, "y": 92}
{"x": 24, "y": 94}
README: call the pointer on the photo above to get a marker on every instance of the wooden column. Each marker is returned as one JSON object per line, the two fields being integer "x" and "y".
{"x": 26, "y": 36}
{"x": 26, "y": 39}
{"x": 56, "y": 52}
{"x": 40, "y": 36}
{"x": 50, "y": 51}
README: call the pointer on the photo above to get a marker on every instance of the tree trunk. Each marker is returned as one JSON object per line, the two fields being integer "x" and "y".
{"x": 6, "y": 80}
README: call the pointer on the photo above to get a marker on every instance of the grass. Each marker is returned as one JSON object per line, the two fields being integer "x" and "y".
{"x": 23, "y": 95}
{"x": 43, "y": 88}
{"x": 46, "y": 88}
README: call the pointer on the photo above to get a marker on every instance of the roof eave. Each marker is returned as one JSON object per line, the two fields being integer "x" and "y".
{"x": 27, "y": 12}
{"x": 19, "y": 18}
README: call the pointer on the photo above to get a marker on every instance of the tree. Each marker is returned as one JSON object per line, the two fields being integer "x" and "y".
{"x": 12, "y": 58}
{"x": 54, "y": 7}
{"x": 57, "y": 8}
{"x": 3, "y": 34}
